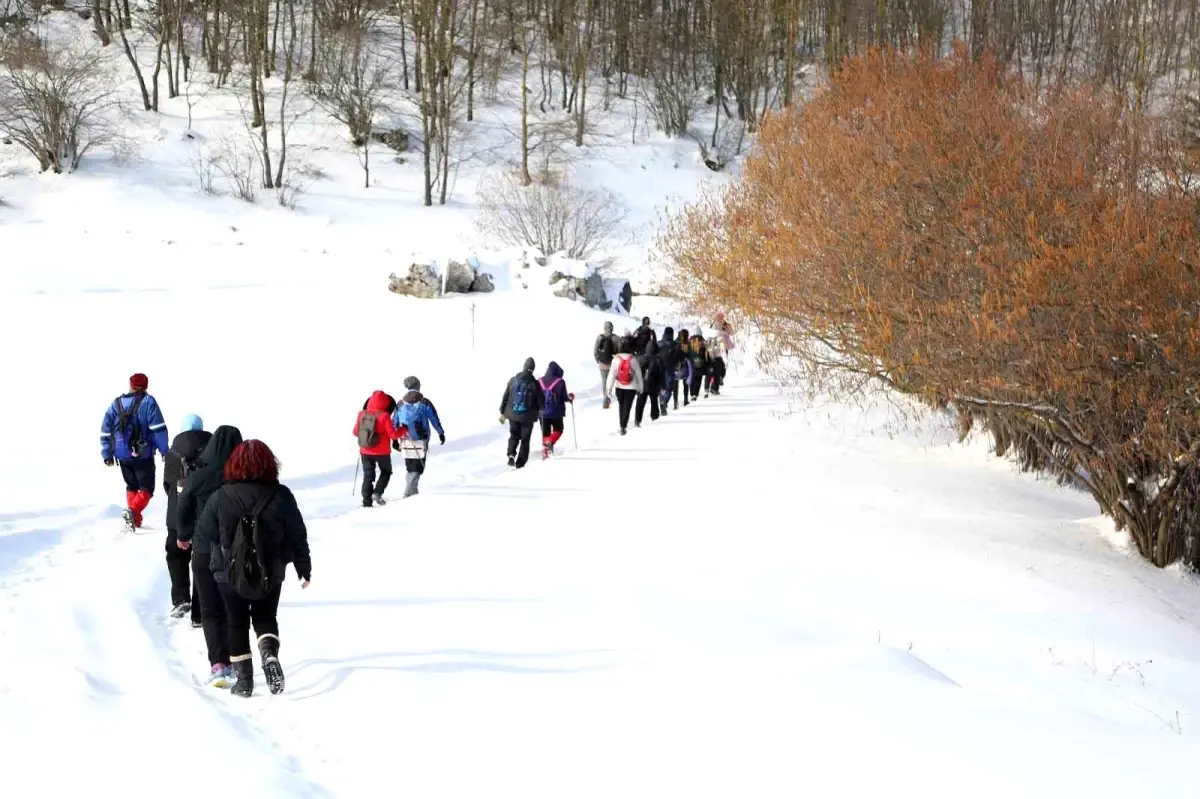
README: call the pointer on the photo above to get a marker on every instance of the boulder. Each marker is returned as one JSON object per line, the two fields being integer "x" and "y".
{"x": 394, "y": 139}
{"x": 422, "y": 281}
{"x": 483, "y": 283}
{"x": 594, "y": 293}
{"x": 556, "y": 276}
{"x": 459, "y": 277}
{"x": 569, "y": 289}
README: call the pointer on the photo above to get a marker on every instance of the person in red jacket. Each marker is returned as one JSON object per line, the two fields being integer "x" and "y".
{"x": 375, "y": 433}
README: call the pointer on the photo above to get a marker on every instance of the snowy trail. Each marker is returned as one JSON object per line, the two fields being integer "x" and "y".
{"x": 721, "y": 603}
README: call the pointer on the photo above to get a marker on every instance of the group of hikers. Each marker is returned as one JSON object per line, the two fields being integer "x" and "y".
{"x": 233, "y": 528}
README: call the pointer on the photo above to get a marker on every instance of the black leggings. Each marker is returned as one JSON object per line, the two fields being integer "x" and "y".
{"x": 262, "y": 612}
{"x": 552, "y": 426}
{"x": 641, "y": 407}
{"x": 213, "y": 616}
{"x": 625, "y": 399}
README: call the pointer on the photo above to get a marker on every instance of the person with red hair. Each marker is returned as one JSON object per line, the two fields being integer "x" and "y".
{"x": 252, "y": 491}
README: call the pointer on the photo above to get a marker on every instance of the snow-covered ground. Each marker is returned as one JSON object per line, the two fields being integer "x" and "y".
{"x": 731, "y": 601}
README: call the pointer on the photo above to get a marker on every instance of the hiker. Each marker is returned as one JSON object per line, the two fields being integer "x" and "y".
{"x": 626, "y": 378}
{"x": 698, "y": 355}
{"x": 667, "y": 354}
{"x": 683, "y": 369}
{"x": 375, "y": 433}
{"x": 132, "y": 431}
{"x": 725, "y": 331}
{"x": 200, "y": 484}
{"x": 391, "y": 403}
{"x": 521, "y": 406}
{"x": 643, "y": 336}
{"x": 413, "y": 420}
{"x": 254, "y": 522}
{"x": 716, "y": 368}
{"x": 604, "y": 350}
{"x": 180, "y": 460}
{"x": 554, "y": 407}
{"x": 652, "y": 381}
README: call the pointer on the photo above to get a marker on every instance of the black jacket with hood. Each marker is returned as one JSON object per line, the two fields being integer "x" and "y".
{"x": 286, "y": 537}
{"x": 203, "y": 483}
{"x": 537, "y": 397}
{"x": 652, "y": 369}
{"x": 186, "y": 448}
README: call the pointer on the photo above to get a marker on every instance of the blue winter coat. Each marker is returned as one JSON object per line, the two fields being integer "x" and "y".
{"x": 556, "y": 392}
{"x": 147, "y": 425}
{"x": 418, "y": 414}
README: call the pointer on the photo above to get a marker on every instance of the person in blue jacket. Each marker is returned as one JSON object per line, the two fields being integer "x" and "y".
{"x": 133, "y": 430}
{"x": 555, "y": 410}
{"x": 416, "y": 413}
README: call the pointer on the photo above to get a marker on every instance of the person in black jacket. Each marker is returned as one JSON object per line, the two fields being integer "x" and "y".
{"x": 666, "y": 358}
{"x": 603, "y": 351}
{"x": 521, "y": 406}
{"x": 643, "y": 336}
{"x": 252, "y": 488}
{"x": 652, "y": 383}
{"x": 198, "y": 487}
{"x": 180, "y": 459}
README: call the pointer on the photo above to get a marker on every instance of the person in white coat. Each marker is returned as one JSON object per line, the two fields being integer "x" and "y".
{"x": 625, "y": 379}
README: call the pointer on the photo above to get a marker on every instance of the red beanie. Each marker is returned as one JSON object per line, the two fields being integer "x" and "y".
{"x": 139, "y": 382}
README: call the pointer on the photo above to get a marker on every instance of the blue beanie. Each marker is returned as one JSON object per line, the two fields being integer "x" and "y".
{"x": 192, "y": 422}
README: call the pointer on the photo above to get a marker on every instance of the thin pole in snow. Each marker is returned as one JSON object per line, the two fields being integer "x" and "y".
{"x": 472, "y": 324}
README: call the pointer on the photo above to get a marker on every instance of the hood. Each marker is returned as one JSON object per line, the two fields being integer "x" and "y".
{"x": 529, "y": 366}
{"x": 553, "y": 371}
{"x": 651, "y": 347}
{"x": 668, "y": 335}
{"x": 413, "y": 397}
{"x": 224, "y": 441}
{"x": 378, "y": 402}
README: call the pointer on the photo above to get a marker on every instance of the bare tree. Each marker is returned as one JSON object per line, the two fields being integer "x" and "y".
{"x": 57, "y": 103}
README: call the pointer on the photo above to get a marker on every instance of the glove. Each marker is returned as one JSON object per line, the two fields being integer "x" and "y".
{"x": 570, "y": 398}
{"x": 502, "y": 419}
{"x": 396, "y": 444}
{"x": 441, "y": 438}
{"x": 109, "y": 461}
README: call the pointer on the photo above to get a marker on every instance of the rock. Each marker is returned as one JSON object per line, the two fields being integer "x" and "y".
{"x": 556, "y": 276}
{"x": 569, "y": 289}
{"x": 422, "y": 281}
{"x": 594, "y": 293}
{"x": 459, "y": 277}
{"x": 540, "y": 260}
{"x": 483, "y": 283}
{"x": 394, "y": 139}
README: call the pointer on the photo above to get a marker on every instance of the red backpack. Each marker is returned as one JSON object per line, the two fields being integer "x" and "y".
{"x": 625, "y": 370}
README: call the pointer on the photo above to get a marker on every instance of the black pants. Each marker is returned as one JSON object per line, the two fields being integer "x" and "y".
{"x": 625, "y": 399}
{"x": 179, "y": 566}
{"x": 641, "y": 406}
{"x": 697, "y": 380}
{"x": 552, "y": 426}
{"x": 213, "y": 616}
{"x": 519, "y": 434}
{"x": 369, "y": 485}
{"x": 264, "y": 613}
{"x": 139, "y": 474}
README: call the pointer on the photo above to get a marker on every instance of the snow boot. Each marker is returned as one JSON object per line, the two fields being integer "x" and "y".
{"x": 197, "y": 624}
{"x": 268, "y": 647}
{"x": 367, "y": 503}
{"x": 181, "y": 610}
{"x": 512, "y": 462}
{"x": 127, "y": 518}
{"x": 221, "y": 676}
{"x": 607, "y": 403}
{"x": 378, "y": 499}
{"x": 243, "y": 674}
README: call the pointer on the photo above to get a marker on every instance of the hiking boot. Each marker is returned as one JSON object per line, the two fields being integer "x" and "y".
{"x": 378, "y": 499}
{"x": 512, "y": 462}
{"x": 623, "y": 431}
{"x": 243, "y": 675}
{"x": 127, "y": 517}
{"x": 607, "y": 403}
{"x": 181, "y": 609}
{"x": 545, "y": 451}
{"x": 366, "y": 503}
{"x": 268, "y": 647}
{"x": 221, "y": 676}
{"x": 197, "y": 624}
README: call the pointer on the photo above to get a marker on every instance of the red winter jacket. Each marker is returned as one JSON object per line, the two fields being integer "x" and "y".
{"x": 383, "y": 426}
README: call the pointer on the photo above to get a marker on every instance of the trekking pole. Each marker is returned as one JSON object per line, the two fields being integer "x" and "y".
{"x": 574, "y": 429}
{"x": 354, "y": 486}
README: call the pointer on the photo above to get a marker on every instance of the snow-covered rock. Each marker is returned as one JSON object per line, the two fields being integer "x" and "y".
{"x": 422, "y": 281}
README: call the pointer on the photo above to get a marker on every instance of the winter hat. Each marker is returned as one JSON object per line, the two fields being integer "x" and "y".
{"x": 139, "y": 382}
{"x": 191, "y": 422}
{"x": 529, "y": 365}
{"x": 412, "y": 383}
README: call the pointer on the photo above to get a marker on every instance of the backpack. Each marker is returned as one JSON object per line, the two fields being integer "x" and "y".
{"x": 520, "y": 396}
{"x": 368, "y": 436}
{"x": 548, "y": 390}
{"x": 625, "y": 371}
{"x": 127, "y": 423}
{"x": 247, "y": 562}
{"x": 605, "y": 347}
{"x": 412, "y": 416}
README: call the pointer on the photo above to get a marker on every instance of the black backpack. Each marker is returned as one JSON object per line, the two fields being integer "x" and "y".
{"x": 248, "y": 555}
{"x": 605, "y": 348}
{"x": 127, "y": 423}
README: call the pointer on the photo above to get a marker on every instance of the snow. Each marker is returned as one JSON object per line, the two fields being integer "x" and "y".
{"x": 736, "y": 600}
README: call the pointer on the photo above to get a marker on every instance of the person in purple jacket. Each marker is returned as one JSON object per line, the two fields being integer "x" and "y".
{"x": 555, "y": 410}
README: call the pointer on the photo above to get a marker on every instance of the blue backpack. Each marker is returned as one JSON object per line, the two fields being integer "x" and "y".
{"x": 412, "y": 415}
{"x": 520, "y": 396}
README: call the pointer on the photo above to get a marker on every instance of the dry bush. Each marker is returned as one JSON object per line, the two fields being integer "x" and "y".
{"x": 239, "y": 163}
{"x": 550, "y": 214}
{"x": 57, "y": 103}
{"x": 1029, "y": 263}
